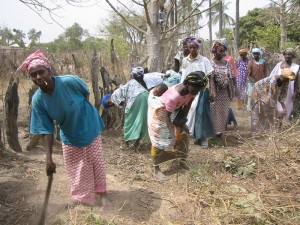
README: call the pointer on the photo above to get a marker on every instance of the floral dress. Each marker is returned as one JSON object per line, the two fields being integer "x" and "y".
{"x": 241, "y": 79}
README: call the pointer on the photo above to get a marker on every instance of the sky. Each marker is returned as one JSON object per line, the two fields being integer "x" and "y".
{"x": 14, "y": 14}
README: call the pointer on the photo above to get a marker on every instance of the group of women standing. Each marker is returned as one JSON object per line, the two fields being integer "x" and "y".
{"x": 198, "y": 105}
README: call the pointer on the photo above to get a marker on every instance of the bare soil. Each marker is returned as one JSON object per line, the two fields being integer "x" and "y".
{"x": 245, "y": 181}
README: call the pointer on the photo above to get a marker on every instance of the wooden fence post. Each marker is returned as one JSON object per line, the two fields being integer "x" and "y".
{"x": 11, "y": 108}
{"x": 95, "y": 80}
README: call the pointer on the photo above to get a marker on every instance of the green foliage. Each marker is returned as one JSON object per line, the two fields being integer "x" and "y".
{"x": 268, "y": 37}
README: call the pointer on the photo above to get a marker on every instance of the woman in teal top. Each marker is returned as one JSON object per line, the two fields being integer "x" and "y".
{"x": 65, "y": 100}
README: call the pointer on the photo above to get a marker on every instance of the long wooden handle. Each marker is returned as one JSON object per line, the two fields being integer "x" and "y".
{"x": 45, "y": 206}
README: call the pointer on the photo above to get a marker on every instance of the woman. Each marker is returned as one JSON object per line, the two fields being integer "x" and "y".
{"x": 199, "y": 117}
{"x": 184, "y": 52}
{"x": 167, "y": 142}
{"x": 266, "y": 93}
{"x": 289, "y": 55}
{"x": 241, "y": 79}
{"x": 257, "y": 70}
{"x": 65, "y": 100}
{"x": 223, "y": 86}
{"x": 133, "y": 96}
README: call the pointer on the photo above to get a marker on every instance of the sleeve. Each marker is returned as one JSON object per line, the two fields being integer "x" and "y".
{"x": 40, "y": 122}
{"x": 78, "y": 85}
{"x": 119, "y": 95}
{"x": 209, "y": 67}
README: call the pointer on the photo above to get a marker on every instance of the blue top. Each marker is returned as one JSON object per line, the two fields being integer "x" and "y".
{"x": 78, "y": 119}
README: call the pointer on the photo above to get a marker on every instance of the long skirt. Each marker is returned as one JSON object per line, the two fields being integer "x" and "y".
{"x": 85, "y": 170}
{"x": 203, "y": 121}
{"x": 135, "y": 124}
{"x": 180, "y": 150}
{"x": 220, "y": 109}
{"x": 250, "y": 100}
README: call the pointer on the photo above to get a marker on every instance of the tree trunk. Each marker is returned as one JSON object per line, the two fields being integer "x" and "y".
{"x": 11, "y": 105}
{"x": 112, "y": 56}
{"x": 95, "y": 80}
{"x": 209, "y": 24}
{"x": 77, "y": 70}
{"x": 237, "y": 27}
{"x": 1, "y": 143}
{"x": 154, "y": 44}
{"x": 283, "y": 24}
{"x": 221, "y": 18}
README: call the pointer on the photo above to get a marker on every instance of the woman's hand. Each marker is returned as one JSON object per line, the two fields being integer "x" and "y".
{"x": 50, "y": 168}
{"x": 211, "y": 97}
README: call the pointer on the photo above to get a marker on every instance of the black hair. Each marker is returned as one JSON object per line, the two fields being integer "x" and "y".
{"x": 196, "y": 78}
{"x": 163, "y": 87}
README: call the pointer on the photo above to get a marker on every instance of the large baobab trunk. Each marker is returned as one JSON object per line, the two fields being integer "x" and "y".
{"x": 155, "y": 47}
{"x": 1, "y": 143}
{"x": 11, "y": 106}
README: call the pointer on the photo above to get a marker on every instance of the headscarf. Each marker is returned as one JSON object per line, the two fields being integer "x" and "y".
{"x": 194, "y": 41}
{"x": 197, "y": 78}
{"x": 289, "y": 50}
{"x": 257, "y": 50}
{"x": 243, "y": 51}
{"x": 224, "y": 41}
{"x": 216, "y": 44}
{"x": 34, "y": 59}
{"x": 288, "y": 73}
{"x": 104, "y": 99}
{"x": 137, "y": 72}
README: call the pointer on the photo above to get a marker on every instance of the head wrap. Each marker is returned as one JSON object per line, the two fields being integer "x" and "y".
{"x": 196, "y": 78}
{"x": 34, "y": 59}
{"x": 216, "y": 44}
{"x": 243, "y": 51}
{"x": 137, "y": 72}
{"x": 194, "y": 41}
{"x": 104, "y": 99}
{"x": 224, "y": 41}
{"x": 288, "y": 73}
{"x": 257, "y": 51}
{"x": 289, "y": 50}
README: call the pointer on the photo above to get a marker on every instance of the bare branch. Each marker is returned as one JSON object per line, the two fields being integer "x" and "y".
{"x": 188, "y": 16}
{"x": 140, "y": 4}
{"x": 275, "y": 2}
{"x": 131, "y": 11}
{"x": 147, "y": 13}
{"x": 123, "y": 17}
{"x": 168, "y": 15}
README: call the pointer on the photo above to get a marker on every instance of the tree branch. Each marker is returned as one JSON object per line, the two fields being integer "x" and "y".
{"x": 131, "y": 11}
{"x": 122, "y": 16}
{"x": 145, "y": 5}
{"x": 137, "y": 3}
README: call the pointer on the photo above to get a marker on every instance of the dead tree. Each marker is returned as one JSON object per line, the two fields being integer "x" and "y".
{"x": 11, "y": 106}
{"x": 95, "y": 80}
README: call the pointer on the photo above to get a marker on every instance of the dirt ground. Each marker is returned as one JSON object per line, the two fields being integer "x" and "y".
{"x": 247, "y": 181}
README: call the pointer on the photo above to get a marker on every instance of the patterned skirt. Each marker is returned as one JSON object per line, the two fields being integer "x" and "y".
{"x": 220, "y": 109}
{"x": 85, "y": 170}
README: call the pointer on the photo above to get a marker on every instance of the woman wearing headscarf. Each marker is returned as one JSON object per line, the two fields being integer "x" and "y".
{"x": 167, "y": 118}
{"x": 257, "y": 70}
{"x": 223, "y": 84}
{"x": 266, "y": 93}
{"x": 199, "y": 117}
{"x": 65, "y": 100}
{"x": 288, "y": 55}
{"x": 241, "y": 80}
{"x": 133, "y": 96}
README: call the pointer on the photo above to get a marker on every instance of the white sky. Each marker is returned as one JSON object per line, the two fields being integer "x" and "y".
{"x": 15, "y": 14}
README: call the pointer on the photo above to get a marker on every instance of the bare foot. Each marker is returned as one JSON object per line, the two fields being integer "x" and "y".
{"x": 104, "y": 201}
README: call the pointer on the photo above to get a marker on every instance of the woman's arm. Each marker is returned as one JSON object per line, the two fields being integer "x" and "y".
{"x": 50, "y": 165}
